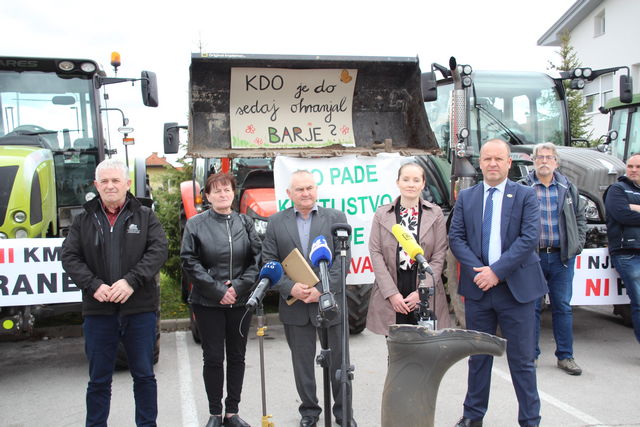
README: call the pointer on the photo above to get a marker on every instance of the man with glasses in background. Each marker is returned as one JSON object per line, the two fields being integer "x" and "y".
{"x": 563, "y": 233}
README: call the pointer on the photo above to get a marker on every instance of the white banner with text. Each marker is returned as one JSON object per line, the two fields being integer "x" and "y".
{"x": 355, "y": 185}
{"x": 31, "y": 273}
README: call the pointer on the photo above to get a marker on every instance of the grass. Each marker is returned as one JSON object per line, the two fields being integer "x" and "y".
{"x": 171, "y": 305}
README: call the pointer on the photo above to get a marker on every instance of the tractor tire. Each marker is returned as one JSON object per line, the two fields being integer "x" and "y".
{"x": 452, "y": 289}
{"x": 358, "y": 304}
{"x": 624, "y": 311}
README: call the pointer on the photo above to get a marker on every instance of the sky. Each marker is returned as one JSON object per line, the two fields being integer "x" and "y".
{"x": 487, "y": 34}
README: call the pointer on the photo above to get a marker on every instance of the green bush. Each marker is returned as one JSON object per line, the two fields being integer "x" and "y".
{"x": 168, "y": 202}
{"x": 171, "y": 305}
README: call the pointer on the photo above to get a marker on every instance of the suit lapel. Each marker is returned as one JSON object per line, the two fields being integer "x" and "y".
{"x": 317, "y": 226}
{"x": 476, "y": 205}
{"x": 292, "y": 228}
{"x": 507, "y": 205}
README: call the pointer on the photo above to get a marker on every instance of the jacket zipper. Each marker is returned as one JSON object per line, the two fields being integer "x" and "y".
{"x": 230, "y": 250}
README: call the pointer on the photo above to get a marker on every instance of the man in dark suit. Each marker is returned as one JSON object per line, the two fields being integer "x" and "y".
{"x": 500, "y": 279}
{"x": 297, "y": 227}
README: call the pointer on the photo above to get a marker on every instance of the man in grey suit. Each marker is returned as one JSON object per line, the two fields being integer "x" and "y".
{"x": 292, "y": 228}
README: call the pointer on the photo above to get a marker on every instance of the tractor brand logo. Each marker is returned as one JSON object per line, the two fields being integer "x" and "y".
{"x": 18, "y": 63}
{"x": 6, "y": 255}
{"x": 133, "y": 229}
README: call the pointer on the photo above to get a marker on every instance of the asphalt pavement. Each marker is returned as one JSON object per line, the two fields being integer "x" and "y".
{"x": 42, "y": 382}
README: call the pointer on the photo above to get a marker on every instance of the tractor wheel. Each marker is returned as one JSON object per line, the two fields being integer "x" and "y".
{"x": 358, "y": 303}
{"x": 452, "y": 289}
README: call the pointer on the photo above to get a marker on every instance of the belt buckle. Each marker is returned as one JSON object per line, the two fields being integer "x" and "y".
{"x": 548, "y": 249}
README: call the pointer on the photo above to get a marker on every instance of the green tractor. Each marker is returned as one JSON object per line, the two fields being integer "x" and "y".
{"x": 623, "y": 137}
{"x": 51, "y": 140}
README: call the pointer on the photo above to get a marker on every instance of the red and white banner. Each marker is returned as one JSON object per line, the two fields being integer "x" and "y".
{"x": 596, "y": 282}
{"x": 31, "y": 273}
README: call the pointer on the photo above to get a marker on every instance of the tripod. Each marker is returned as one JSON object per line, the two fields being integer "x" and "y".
{"x": 260, "y": 333}
{"x": 327, "y": 311}
{"x": 341, "y": 234}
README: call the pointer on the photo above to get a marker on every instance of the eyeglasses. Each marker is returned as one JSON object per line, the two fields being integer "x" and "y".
{"x": 547, "y": 158}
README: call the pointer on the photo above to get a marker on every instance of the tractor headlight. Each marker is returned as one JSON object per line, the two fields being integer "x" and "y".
{"x": 88, "y": 67}
{"x": 591, "y": 212}
{"x": 21, "y": 233}
{"x": 66, "y": 65}
{"x": 3, "y": 236}
{"x": 19, "y": 217}
{"x": 260, "y": 226}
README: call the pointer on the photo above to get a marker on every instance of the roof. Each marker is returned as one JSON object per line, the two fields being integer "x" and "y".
{"x": 614, "y": 103}
{"x": 571, "y": 18}
{"x": 154, "y": 161}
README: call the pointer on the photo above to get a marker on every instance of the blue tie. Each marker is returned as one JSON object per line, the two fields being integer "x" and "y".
{"x": 486, "y": 225}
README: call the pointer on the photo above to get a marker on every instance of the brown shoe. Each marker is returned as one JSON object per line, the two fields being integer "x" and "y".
{"x": 569, "y": 366}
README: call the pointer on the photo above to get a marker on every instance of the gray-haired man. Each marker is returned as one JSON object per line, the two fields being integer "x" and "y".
{"x": 562, "y": 237}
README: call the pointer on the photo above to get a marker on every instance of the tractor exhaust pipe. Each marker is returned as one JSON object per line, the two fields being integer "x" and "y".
{"x": 418, "y": 359}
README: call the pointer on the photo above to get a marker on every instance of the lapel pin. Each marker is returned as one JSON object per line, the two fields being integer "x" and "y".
{"x": 509, "y": 195}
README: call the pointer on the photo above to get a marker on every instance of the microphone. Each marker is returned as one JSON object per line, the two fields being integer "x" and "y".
{"x": 320, "y": 252}
{"x": 320, "y": 256}
{"x": 341, "y": 231}
{"x": 410, "y": 246}
{"x": 269, "y": 276}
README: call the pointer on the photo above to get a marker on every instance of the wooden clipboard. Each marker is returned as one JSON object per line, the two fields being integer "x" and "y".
{"x": 298, "y": 270}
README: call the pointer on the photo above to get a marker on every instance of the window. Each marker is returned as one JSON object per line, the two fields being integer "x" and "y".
{"x": 599, "y": 24}
{"x": 591, "y": 93}
{"x": 606, "y": 88}
{"x": 598, "y": 92}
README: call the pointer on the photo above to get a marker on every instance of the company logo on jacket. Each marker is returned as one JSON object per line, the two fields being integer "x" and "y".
{"x": 133, "y": 229}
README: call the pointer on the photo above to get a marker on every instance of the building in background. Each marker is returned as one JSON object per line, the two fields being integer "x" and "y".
{"x": 604, "y": 33}
{"x": 155, "y": 167}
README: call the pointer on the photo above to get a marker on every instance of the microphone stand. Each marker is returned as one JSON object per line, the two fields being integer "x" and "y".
{"x": 327, "y": 310}
{"x": 345, "y": 373}
{"x": 426, "y": 316}
{"x": 260, "y": 333}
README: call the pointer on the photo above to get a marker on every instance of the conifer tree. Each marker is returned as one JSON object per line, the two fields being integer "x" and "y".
{"x": 579, "y": 122}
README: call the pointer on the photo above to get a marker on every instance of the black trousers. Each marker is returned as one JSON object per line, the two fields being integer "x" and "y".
{"x": 220, "y": 328}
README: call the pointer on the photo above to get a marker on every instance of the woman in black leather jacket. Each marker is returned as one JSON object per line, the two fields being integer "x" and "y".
{"x": 221, "y": 255}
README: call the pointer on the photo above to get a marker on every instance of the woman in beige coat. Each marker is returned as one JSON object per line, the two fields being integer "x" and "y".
{"x": 394, "y": 296}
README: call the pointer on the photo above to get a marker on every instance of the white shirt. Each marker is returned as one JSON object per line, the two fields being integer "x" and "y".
{"x": 495, "y": 242}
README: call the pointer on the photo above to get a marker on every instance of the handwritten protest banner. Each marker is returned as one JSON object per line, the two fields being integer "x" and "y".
{"x": 287, "y": 108}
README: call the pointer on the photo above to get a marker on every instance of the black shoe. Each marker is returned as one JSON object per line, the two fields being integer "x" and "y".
{"x": 466, "y": 422}
{"x": 308, "y": 421}
{"x": 215, "y": 421}
{"x": 353, "y": 422}
{"x": 235, "y": 421}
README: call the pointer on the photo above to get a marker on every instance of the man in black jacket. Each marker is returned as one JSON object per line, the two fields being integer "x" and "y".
{"x": 622, "y": 204}
{"x": 113, "y": 252}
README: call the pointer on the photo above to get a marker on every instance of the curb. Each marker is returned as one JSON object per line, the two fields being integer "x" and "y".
{"x": 166, "y": 325}
{"x": 183, "y": 324}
